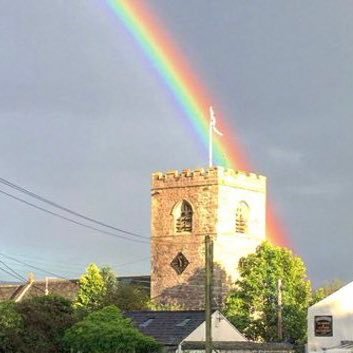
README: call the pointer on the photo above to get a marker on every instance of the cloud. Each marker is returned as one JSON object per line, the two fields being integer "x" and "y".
{"x": 285, "y": 156}
{"x": 328, "y": 188}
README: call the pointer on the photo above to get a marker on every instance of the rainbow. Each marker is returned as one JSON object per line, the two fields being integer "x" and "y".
{"x": 189, "y": 92}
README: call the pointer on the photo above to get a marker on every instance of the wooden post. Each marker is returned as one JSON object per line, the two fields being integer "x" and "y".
{"x": 208, "y": 292}
{"x": 279, "y": 310}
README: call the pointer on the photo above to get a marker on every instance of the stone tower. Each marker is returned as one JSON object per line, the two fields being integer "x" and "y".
{"x": 228, "y": 205}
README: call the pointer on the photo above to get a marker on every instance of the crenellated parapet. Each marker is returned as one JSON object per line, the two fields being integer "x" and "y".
{"x": 243, "y": 180}
{"x": 208, "y": 176}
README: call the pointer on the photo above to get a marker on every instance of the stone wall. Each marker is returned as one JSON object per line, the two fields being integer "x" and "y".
{"x": 238, "y": 347}
{"x": 213, "y": 194}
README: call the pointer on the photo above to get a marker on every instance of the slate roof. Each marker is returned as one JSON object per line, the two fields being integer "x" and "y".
{"x": 167, "y": 327}
{"x": 65, "y": 288}
{"x": 141, "y": 281}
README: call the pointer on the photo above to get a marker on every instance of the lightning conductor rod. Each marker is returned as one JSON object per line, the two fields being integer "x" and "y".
{"x": 211, "y": 129}
{"x": 210, "y": 138}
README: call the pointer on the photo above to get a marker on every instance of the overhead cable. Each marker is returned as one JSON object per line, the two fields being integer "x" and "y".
{"x": 33, "y": 267}
{"x": 68, "y": 210}
{"x": 15, "y": 273}
{"x": 71, "y": 220}
{"x": 10, "y": 273}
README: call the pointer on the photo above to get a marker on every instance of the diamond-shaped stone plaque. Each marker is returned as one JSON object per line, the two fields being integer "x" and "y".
{"x": 179, "y": 263}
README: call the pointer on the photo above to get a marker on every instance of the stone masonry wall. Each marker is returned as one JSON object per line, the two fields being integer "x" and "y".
{"x": 206, "y": 191}
{"x": 200, "y": 189}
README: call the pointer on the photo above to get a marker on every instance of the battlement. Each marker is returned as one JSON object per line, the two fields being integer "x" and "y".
{"x": 186, "y": 173}
{"x": 210, "y": 176}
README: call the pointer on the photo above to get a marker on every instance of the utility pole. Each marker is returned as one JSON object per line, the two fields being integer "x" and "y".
{"x": 208, "y": 292}
{"x": 279, "y": 310}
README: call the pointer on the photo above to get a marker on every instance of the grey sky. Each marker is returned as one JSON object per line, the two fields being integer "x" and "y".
{"x": 84, "y": 120}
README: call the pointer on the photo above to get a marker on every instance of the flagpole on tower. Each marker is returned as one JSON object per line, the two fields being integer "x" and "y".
{"x": 210, "y": 139}
{"x": 212, "y": 128}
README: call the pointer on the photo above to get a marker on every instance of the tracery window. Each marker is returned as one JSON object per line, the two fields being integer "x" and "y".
{"x": 242, "y": 218}
{"x": 183, "y": 217}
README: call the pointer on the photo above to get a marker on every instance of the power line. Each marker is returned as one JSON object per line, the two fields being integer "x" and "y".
{"x": 59, "y": 276}
{"x": 72, "y": 267}
{"x": 9, "y": 273}
{"x": 75, "y": 213}
{"x": 18, "y": 275}
{"x": 33, "y": 267}
{"x": 70, "y": 219}
{"x": 49, "y": 272}
{"x": 143, "y": 283}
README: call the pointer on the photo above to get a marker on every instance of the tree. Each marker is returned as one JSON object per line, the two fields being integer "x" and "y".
{"x": 94, "y": 285}
{"x": 109, "y": 278}
{"x": 127, "y": 297}
{"x": 326, "y": 290}
{"x": 99, "y": 287}
{"x": 156, "y": 306}
{"x": 37, "y": 325}
{"x": 107, "y": 331}
{"x": 11, "y": 327}
{"x": 252, "y": 306}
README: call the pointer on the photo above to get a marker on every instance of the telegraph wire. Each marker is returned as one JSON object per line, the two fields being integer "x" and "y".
{"x": 49, "y": 272}
{"x": 68, "y": 210}
{"x": 142, "y": 283}
{"x": 70, "y": 219}
{"x": 33, "y": 267}
{"x": 10, "y": 274}
{"x": 145, "y": 283}
{"x": 17, "y": 277}
{"x": 23, "y": 280}
{"x": 14, "y": 272}
{"x": 70, "y": 267}
{"x": 80, "y": 215}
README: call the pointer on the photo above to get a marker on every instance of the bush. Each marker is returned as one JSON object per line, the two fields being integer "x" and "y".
{"x": 107, "y": 331}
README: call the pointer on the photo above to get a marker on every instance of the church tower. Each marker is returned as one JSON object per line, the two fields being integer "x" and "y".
{"x": 227, "y": 205}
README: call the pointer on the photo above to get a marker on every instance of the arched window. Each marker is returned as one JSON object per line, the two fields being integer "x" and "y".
{"x": 183, "y": 217}
{"x": 242, "y": 218}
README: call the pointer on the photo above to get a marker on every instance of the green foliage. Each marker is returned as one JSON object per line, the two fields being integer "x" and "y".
{"x": 156, "y": 306}
{"x": 326, "y": 290}
{"x": 94, "y": 285}
{"x": 107, "y": 331}
{"x": 253, "y": 307}
{"x": 99, "y": 288}
{"x": 127, "y": 297}
{"x": 35, "y": 325}
{"x": 45, "y": 320}
{"x": 11, "y": 326}
{"x": 9, "y": 318}
{"x": 109, "y": 278}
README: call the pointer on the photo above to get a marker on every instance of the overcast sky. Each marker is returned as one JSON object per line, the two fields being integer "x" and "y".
{"x": 85, "y": 120}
